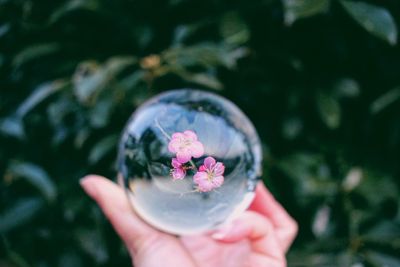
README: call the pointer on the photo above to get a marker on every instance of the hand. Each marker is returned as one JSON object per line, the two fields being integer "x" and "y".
{"x": 258, "y": 238}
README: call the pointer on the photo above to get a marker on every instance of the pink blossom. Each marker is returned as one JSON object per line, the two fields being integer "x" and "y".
{"x": 179, "y": 171}
{"x": 210, "y": 175}
{"x": 186, "y": 146}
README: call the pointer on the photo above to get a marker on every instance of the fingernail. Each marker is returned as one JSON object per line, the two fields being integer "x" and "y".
{"x": 222, "y": 231}
{"x": 87, "y": 186}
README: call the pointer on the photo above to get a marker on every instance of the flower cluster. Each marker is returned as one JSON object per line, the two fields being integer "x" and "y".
{"x": 185, "y": 146}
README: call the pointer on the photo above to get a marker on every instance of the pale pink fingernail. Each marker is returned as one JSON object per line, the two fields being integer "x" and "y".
{"x": 222, "y": 231}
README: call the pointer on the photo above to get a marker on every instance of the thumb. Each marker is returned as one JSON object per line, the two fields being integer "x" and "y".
{"x": 147, "y": 245}
{"x": 115, "y": 206}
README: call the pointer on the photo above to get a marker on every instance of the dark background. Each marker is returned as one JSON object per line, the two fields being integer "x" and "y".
{"x": 319, "y": 78}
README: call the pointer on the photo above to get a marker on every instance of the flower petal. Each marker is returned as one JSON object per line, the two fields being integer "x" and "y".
{"x": 178, "y": 174}
{"x": 173, "y": 145}
{"x": 175, "y": 163}
{"x": 209, "y": 162}
{"x": 205, "y": 186}
{"x": 219, "y": 169}
{"x": 190, "y": 135}
{"x": 199, "y": 177}
{"x": 177, "y": 136}
{"x": 197, "y": 149}
{"x": 218, "y": 181}
{"x": 183, "y": 156}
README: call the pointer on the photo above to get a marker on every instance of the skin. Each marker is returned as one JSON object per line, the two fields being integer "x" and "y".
{"x": 259, "y": 238}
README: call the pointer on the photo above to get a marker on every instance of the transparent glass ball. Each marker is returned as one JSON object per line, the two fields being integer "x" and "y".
{"x": 189, "y": 161}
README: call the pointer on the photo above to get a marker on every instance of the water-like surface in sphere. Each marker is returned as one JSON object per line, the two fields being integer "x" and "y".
{"x": 227, "y": 135}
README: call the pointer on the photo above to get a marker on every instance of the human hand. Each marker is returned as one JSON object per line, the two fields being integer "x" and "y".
{"x": 259, "y": 237}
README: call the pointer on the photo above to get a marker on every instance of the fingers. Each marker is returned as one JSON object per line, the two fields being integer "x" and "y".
{"x": 148, "y": 246}
{"x": 113, "y": 201}
{"x": 258, "y": 230}
{"x": 285, "y": 226}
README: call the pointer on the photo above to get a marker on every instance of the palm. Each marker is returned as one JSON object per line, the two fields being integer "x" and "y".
{"x": 207, "y": 252}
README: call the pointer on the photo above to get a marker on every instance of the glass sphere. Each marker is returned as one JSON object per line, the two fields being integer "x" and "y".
{"x": 189, "y": 161}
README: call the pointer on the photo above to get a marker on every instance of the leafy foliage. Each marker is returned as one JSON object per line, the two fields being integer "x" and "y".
{"x": 374, "y": 19}
{"x": 319, "y": 79}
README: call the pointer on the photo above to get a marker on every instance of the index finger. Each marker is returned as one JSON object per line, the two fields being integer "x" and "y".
{"x": 265, "y": 204}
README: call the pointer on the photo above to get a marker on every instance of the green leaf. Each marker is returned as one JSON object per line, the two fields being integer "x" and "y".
{"x": 88, "y": 79}
{"x": 4, "y": 29}
{"x": 207, "y": 55}
{"x": 34, "y": 52}
{"x": 382, "y": 259}
{"x": 384, "y": 232}
{"x": 297, "y": 9}
{"x": 368, "y": 188}
{"x": 130, "y": 82}
{"x": 310, "y": 175}
{"x": 385, "y": 100}
{"x": 81, "y": 137}
{"x": 72, "y": 5}
{"x": 99, "y": 115}
{"x": 19, "y": 213}
{"x": 36, "y": 176}
{"x": 91, "y": 78}
{"x": 329, "y": 110}
{"x": 12, "y": 126}
{"x": 233, "y": 29}
{"x": 322, "y": 218}
{"x": 313, "y": 257}
{"x": 292, "y": 127}
{"x": 70, "y": 259}
{"x": 205, "y": 79}
{"x": 346, "y": 87}
{"x": 376, "y": 20}
{"x": 117, "y": 64}
{"x": 353, "y": 179}
{"x": 182, "y": 32}
{"x": 93, "y": 243}
{"x": 103, "y": 147}
{"x": 17, "y": 259}
{"x": 38, "y": 95}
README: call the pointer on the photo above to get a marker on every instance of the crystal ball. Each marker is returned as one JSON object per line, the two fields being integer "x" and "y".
{"x": 189, "y": 161}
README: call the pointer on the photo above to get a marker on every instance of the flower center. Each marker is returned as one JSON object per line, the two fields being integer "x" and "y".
{"x": 185, "y": 143}
{"x": 210, "y": 175}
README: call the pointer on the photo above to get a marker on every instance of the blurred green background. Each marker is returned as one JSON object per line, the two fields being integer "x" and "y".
{"x": 320, "y": 79}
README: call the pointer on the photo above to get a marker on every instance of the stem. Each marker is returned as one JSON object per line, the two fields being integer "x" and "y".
{"x": 162, "y": 129}
{"x": 193, "y": 165}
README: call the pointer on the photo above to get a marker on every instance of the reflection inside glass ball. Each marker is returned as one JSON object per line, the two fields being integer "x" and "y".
{"x": 189, "y": 161}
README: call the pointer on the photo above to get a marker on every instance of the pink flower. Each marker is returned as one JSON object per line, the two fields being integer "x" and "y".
{"x": 210, "y": 175}
{"x": 186, "y": 146}
{"x": 179, "y": 171}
